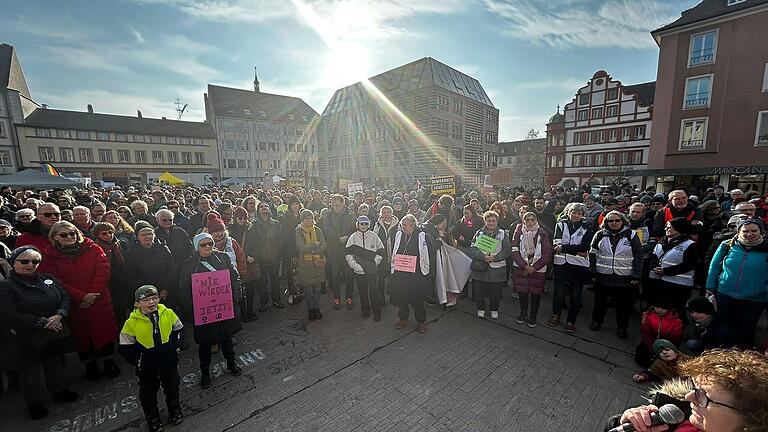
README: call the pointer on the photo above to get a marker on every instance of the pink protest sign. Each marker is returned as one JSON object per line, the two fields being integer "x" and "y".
{"x": 212, "y": 297}
{"x": 405, "y": 263}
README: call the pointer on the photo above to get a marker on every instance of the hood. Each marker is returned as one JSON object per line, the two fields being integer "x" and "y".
{"x": 394, "y": 222}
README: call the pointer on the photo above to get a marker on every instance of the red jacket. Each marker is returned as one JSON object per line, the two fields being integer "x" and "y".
{"x": 653, "y": 326}
{"x": 87, "y": 273}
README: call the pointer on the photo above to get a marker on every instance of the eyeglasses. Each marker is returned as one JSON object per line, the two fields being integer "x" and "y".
{"x": 701, "y": 398}
{"x": 71, "y": 234}
{"x": 174, "y": 207}
{"x": 51, "y": 214}
{"x": 106, "y": 232}
{"x": 25, "y": 217}
{"x": 613, "y": 220}
{"x": 206, "y": 244}
{"x": 26, "y": 261}
{"x": 151, "y": 299}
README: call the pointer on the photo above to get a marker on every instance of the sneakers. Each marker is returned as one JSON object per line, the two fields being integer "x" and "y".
{"x": 176, "y": 417}
{"x": 423, "y": 328}
{"x": 110, "y": 369}
{"x": 532, "y": 322}
{"x": 521, "y": 319}
{"x": 554, "y": 321}
{"x": 481, "y": 314}
{"x": 336, "y": 304}
{"x": 234, "y": 369}
{"x": 494, "y": 314}
{"x": 65, "y": 396}
{"x": 570, "y": 327}
{"x": 155, "y": 424}
{"x": 350, "y": 305}
{"x": 400, "y": 324}
{"x": 37, "y": 411}
{"x": 92, "y": 372}
{"x": 515, "y": 295}
{"x": 205, "y": 381}
{"x": 595, "y": 326}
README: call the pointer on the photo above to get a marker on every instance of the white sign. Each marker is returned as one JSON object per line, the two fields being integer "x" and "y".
{"x": 354, "y": 188}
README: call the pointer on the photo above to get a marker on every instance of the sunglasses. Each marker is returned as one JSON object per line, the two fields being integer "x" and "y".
{"x": 70, "y": 234}
{"x": 25, "y": 217}
{"x": 26, "y": 261}
{"x": 50, "y": 214}
{"x": 363, "y": 223}
{"x": 613, "y": 220}
{"x": 174, "y": 207}
{"x": 206, "y": 244}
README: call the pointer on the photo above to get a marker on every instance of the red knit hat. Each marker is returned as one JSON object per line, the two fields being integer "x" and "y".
{"x": 241, "y": 212}
{"x": 215, "y": 223}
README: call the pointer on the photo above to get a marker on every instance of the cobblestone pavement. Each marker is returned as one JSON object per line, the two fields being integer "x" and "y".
{"x": 346, "y": 373}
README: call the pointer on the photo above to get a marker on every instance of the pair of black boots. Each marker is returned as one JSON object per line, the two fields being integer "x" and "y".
{"x": 232, "y": 368}
{"x": 92, "y": 371}
{"x": 248, "y": 314}
{"x": 38, "y": 411}
{"x": 155, "y": 423}
{"x": 314, "y": 314}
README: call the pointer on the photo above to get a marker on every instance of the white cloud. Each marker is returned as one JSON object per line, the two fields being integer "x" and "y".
{"x": 583, "y": 24}
{"x": 136, "y": 33}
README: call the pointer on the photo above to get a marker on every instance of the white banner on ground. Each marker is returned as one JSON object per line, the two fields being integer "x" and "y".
{"x": 452, "y": 273}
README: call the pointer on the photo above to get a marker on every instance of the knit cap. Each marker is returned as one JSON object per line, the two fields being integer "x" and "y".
{"x": 681, "y": 225}
{"x": 363, "y": 220}
{"x": 4, "y": 222}
{"x": 141, "y": 225}
{"x": 701, "y": 305}
{"x": 144, "y": 291}
{"x": 663, "y": 343}
{"x": 199, "y": 238}
{"x": 306, "y": 214}
{"x": 18, "y": 251}
{"x": 215, "y": 223}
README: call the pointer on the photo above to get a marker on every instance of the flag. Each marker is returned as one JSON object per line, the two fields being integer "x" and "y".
{"x": 49, "y": 169}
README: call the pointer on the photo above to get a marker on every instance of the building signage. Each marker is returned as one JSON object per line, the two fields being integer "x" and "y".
{"x": 739, "y": 170}
{"x": 611, "y": 169}
{"x": 114, "y": 174}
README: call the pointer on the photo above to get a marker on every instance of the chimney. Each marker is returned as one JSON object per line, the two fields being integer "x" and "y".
{"x": 90, "y": 109}
{"x": 44, "y": 106}
{"x": 138, "y": 114}
{"x": 255, "y": 80}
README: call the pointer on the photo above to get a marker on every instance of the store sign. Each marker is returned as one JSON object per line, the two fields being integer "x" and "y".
{"x": 610, "y": 169}
{"x": 114, "y": 174}
{"x": 737, "y": 170}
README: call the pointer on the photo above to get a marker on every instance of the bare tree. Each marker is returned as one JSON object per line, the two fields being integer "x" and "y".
{"x": 532, "y": 134}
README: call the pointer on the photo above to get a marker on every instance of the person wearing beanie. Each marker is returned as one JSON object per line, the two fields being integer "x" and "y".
{"x": 223, "y": 242}
{"x": 365, "y": 252}
{"x": 241, "y": 231}
{"x": 151, "y": 340}
{"x": 702, "y": 313}
{"x": 657, "y": 322}
{"x": 673, "y": 263}
{"x": 8, "y": 235}
{"x": 266, "y": 250}
{"x": 150, "y": 262}
{"x": 207, "y": 259}
{"x": 310, "y": 268}
{"x": 665, "y": 365}
{"x": 290, "y": 255}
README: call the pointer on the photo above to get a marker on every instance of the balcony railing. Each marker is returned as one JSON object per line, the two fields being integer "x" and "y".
{"x": 697, "y": 101}
{"x": 762, "y": 140}
{"x": 702, "y": 58}
{"x": 695, "y": 144}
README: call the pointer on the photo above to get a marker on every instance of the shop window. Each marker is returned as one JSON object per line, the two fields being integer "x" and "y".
{"x": 693, "y": 134}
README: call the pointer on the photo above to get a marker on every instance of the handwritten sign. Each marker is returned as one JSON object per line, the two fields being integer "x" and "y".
{"x": 486, "y": 243}
{"x": 354, "y": 188}
{"x": 405, "y": 263}
{"x": 212, "y": 297}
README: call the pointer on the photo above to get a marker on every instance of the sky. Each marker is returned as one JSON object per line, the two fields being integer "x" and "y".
{"x": 127, "y": 55}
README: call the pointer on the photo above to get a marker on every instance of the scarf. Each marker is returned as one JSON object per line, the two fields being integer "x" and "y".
{"x": 750, "y": 244}
{"x": 310, "y": 237}
{"x": 112, "y": 250}
{"x": 225, "y": 245}
{"x": 72, "y": 250}
{"x": 469, "y": 222}
{"x": 528, "y": 241}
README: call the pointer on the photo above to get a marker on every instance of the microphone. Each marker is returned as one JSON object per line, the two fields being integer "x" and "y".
{"x": 668, "y": 414}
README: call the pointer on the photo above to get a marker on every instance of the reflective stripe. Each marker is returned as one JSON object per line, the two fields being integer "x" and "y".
{"x": 618, "y": 263}
{"x": 671, "y": 258}
{"x": 570, "y": 239}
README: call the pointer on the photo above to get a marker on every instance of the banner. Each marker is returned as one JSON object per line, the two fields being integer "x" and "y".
{"x": 212, "y": 297}
{"x": 354, "y": 188}
{"x": 443, "y": 185}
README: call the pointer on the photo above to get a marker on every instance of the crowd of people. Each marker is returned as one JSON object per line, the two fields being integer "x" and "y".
{"x": 107, "y": 272}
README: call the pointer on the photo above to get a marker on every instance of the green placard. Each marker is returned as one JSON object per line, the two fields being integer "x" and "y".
{"x": 486, "y": 243}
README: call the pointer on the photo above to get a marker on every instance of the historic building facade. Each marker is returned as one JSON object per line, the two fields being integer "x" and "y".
{"x": 711, "y": 110}
{"x": 417, "y": 120}
{"x": 262, "y": 133}
{"x": 121, "y": 149}
{"x": 603, "y": 135}
{"x": 15, "y": 104}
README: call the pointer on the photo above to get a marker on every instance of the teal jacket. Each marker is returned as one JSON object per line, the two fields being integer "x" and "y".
{"x": 740, "y": 273}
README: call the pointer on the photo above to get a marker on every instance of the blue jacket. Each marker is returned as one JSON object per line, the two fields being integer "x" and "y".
{"x": 739, "y": 273}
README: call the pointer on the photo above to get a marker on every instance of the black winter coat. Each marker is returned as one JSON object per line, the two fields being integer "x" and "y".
{"x": 212, "y": 333}
{"x": 178, "y": 243}
{"x": 151, "y": 266}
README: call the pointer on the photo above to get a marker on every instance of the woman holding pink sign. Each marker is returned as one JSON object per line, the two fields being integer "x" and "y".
{"x": 212, "y": 300}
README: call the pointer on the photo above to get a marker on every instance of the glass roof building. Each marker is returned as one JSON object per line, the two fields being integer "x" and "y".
{"x": 418, "y": 120}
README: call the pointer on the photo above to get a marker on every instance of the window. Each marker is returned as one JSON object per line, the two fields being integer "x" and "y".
{"x": 610, "y": 158}
{"x": 195, "y": 141}
{"x": 139, "y": 138}
{"x": 291, "y": 117}
{"x": 241, "y": 163}
{"x": 703, "y": 49}
{"x": 199, "y": 158}
{"x": 5, "y": 158}
{"x": 43, "y": 133}
{"x": 102, "y": 136}
{"x": 124, "y": 156}
{"x": 105, "y": 155}
{"x": 611, "y": 110}
{"x": 599, "y": 159}
{"x": 46, "y": 154}
{"x": 583, "y": 114}
{"x": 697, "y": 92}
{"x": 186, "y": 158}
{"x": 613, "y": 135}
{"x": 639, "y": 132}
{"x": 85, "y": 154}
{"x": 121, "y": 137}
{"x": 588, "y": 159}
{"x": 577, "y": 160}
{"x": 761, "y": 137}
{"x": 693, "y": 134}
{"x": 456, "y": 106}
{"x": 173, "y": 157}
{"x": 382, "y": 159}
{"x": 346, "y": 162}
{"x": 67, "y": 154}
{"x": 364, "y": 161}
{"x": 2, "y": 131}
{"x": 262, "y": 114}
{"x": 83, "y": 135}
{"x": 625, "y": 132}
{"x": 613, "y": 93}
{"x": 636, "y": 157}
{"x": 141, "y": 156}
{"x": 157, "y": 157}
{"x": 584, "y": 99}
{"x": 577, "y": 138}
{"x": 600, "y": 136}
{"x": 155, "y": 139}
{"x": 401, "y": 157}
{"x": 172, "y": 140}
{"x": 61, "y": 133}
{"x": 597, "y": 113}
{"x": 587, "y": 138}
{"x": 765, "y": 81}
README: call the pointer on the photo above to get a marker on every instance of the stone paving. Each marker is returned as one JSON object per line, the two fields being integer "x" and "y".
{"x": 346, "y": 373}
